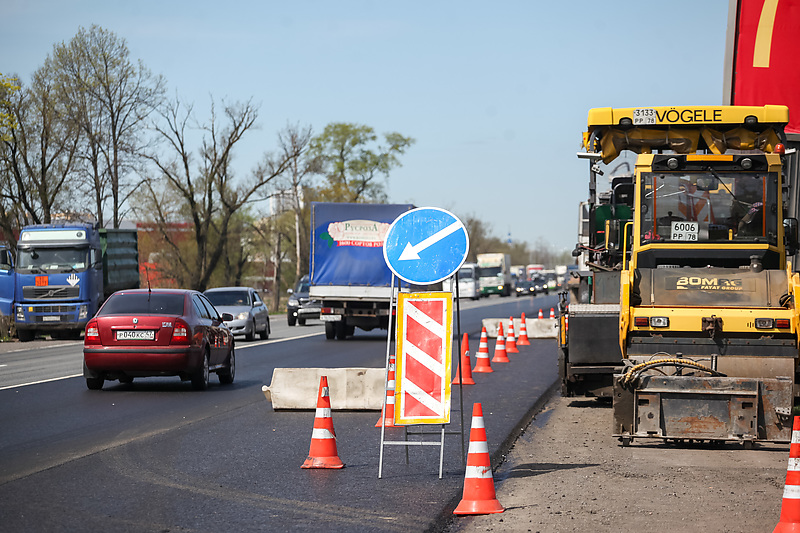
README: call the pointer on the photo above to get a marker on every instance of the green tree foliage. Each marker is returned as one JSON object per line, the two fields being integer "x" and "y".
{"x": 8, "y": 86}
{"x": 354, "y": 163}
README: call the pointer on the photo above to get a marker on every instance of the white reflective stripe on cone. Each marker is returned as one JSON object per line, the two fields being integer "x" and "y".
{"x": 325, "y": 392}
{"x": 323, "y": 412}
{"x": 795, "y": 437}
{"x": 390, "y": 398}
{"x": 477, "y": 422}
{"x": 791, "y": 492}
{"x": 478, "y": 472}
{"x": 478, "y": 446}
{"x": 794, "y": 464}
{"x": 320, "y": 433}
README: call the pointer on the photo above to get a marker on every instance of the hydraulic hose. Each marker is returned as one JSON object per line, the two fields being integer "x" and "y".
{"x": 635, "y": 371}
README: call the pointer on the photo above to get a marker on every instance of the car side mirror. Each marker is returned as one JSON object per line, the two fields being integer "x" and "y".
{"x": 289, "y": 291}
{"x": 227, "y": 317}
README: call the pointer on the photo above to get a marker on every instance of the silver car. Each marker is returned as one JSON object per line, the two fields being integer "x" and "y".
{"x": 250, "y": 314}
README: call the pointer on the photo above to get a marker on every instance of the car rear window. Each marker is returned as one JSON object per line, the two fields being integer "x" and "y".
{"x": 143, "y": 304}
{"x": 229, "y": 298}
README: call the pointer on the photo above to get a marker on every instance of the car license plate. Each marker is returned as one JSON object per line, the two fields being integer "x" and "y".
{"x": 136, "y": 335}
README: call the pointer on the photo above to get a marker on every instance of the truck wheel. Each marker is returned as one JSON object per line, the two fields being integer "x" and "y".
{"x": 341, "y": 331}
{"x": 330, "y": 330}
{"x": 94, "y": 383}
{"x": 25, "y": 335}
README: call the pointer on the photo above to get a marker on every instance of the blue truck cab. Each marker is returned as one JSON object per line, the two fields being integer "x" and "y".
{"x": 6, "y": 288}
{"x": 59, "y": 279}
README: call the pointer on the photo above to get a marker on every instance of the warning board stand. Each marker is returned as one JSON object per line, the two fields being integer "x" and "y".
{"x": 394, "y": 317}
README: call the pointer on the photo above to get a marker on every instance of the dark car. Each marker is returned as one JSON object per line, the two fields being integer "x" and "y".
{"x": 525, "y": 287}
{"x": 160, "y": 332}
{"x": 540, "y": 285}
{"x": 250, "y": 313}
{"x": 300, "y": 307}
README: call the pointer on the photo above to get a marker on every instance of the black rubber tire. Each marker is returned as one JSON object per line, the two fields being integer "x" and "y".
{"x": 267, "y": 330}
{"x": 227, "y": 375}
{"x": 126, "y": 380}
{"x": 200, "y": 378}
{"x": 291, "y": 319}
{"x": 94, "y": 383}
{"x": 251, "y": 335}
{"x": 25, "y": 335}
{"x": 341, "y": 331}
{"x": 301, "y": 321}
{"x": 330, "y": 330}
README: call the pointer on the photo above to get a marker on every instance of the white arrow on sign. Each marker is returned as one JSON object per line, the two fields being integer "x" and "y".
{"x": 412, "y": 252}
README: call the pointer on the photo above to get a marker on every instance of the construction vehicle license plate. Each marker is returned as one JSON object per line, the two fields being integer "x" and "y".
{"x": 684, "y": 231}
{"x": 643, "y": 116}
{"x": 330, "y": 318}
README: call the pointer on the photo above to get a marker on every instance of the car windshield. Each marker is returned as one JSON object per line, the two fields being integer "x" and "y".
{"x": 143, "y": 303}
{"x": 705, "y": 207}
{"x": 301, "y": 287}
{"x": 53, "y": 260}
{"x": 228, "y": 298}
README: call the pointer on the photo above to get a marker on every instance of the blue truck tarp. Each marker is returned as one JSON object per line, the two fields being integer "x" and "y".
{"x": 347, "y": 243}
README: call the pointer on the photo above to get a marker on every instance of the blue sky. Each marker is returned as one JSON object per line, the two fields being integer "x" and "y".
{"x": 496, "y": 94}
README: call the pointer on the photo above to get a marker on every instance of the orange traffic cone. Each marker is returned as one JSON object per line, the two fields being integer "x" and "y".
{"x": 464, "y": 366}
{"x": 790, "y": 507}
{"x": 523, "y": 340}
{"x": 479, "y": 496}
{"x": 511, "y": 340}
{"x": 388, "y": 410}
{"x": 552, "y": 313}
{"x": 541, "y": 315}
{"x": 500, "y": 347}
{"x": 322, "y": 453}
{"x": 482, "y": 363}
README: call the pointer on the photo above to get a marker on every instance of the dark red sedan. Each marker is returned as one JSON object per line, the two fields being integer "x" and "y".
{"x": 160, "y": 332}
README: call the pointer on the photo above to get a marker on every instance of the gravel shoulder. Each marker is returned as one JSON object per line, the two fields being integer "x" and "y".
{"x": 566, "y": 473}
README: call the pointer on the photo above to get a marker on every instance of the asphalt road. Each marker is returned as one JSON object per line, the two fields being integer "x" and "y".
{"x": 158, "y": 456}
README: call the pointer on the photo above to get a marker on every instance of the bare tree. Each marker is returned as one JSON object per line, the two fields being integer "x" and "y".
{"x": 208, "y": 195}
{"x": 109, "y": 98}
{"x": 294, "y": 143}
{"x": 38, "y": 155}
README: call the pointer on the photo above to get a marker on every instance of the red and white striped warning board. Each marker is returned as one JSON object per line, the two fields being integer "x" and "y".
{"x": 424, "y": 343}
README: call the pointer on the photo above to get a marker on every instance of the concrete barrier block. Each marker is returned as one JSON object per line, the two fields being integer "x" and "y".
{"x": 537, "y": 328}
{"x": 349, "y": 388}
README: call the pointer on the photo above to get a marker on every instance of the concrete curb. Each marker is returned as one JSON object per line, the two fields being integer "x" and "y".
{"x": 350, "y": 388}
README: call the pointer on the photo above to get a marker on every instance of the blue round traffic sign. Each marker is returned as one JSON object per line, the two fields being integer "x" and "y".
{"x": 425, "y": 245}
